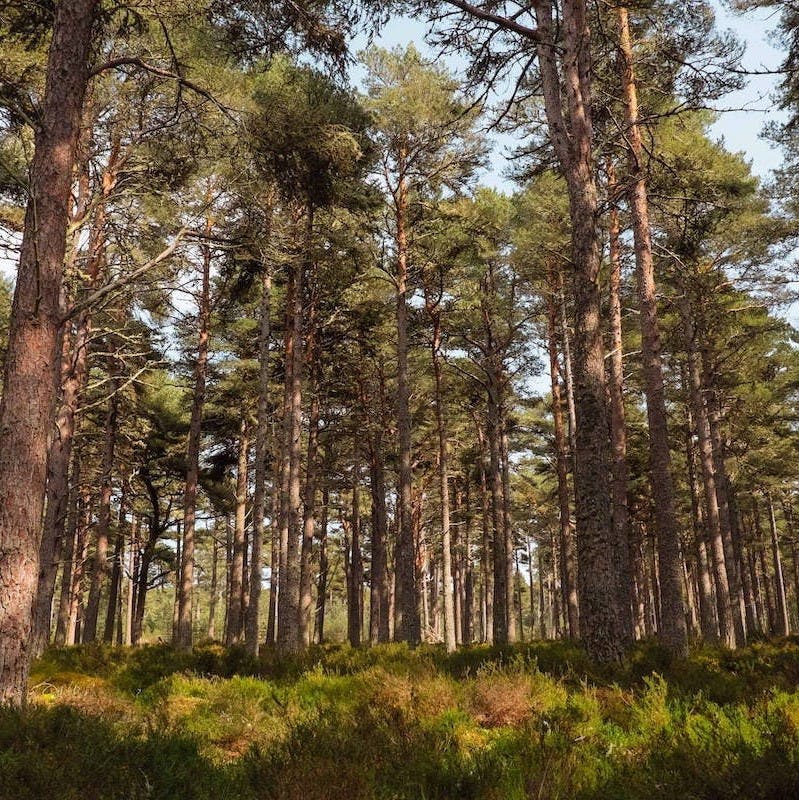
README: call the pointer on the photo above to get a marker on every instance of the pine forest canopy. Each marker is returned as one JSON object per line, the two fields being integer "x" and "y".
{"x": 281, "y": 367}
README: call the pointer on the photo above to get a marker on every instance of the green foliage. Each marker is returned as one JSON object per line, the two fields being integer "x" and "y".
{"x": 535, "y": 720}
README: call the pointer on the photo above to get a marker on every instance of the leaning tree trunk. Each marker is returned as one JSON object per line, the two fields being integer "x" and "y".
{"x": 32, "y": 365}
{"x": 673, "y": 630}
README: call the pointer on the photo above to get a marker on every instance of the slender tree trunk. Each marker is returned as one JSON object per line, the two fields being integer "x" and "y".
{"x": 289, "y": 590}
{"x": 450, "y": 637}
{"x": 567, "y": 566}
{"x": 30, "y": 384}
{"x": 379, "y": 598}
{"x": 355, "y": 573}
{"x": 100, "y": 563}
{"x": 707, "y": 617}
{"x": 114, "y": 588}
{"x": 770, "y": 615}
{"x": 186, "y": 582}
{"x": 673, "y": 629}
{"x": 722, "y": 497}
{"x": 213, "y": 590}
{"x": 487, "y": 549}
{"x": 542, "y": 622}
{"x": 71, "y": 553}
{"x": 467, "y": 609}
{"x": 274, "y": 568}
{"x": 311, "y": 479}
{"x": 507, "y": 528}
{"x": 130, "y": 579}
{"x": 500, "y": 599}
{"x": 781, "y": 605}
{"x": 76, "y": 600}
{"x": 723, "y": 599}
{"x": 235, "y": 623}
{"x": 324, "y": 567}
{"x": 261, "y": 455}
{"x": 406, "y": 622}
{"x": 618, "y": 429}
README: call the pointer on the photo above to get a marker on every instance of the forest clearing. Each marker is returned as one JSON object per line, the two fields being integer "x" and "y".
{"x": 399, "y": 400}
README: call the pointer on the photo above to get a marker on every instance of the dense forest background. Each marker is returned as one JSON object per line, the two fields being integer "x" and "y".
{"x": 280, "y": 370}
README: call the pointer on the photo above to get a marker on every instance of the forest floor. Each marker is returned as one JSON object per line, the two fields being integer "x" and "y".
{"x": 533, "y": 721}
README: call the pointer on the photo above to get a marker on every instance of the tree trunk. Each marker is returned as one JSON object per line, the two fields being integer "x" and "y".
{"x": 234, "y": 630}
{"x": 288, "y": 640}
{"x": 572, "y": 136}
{"x": 72, "y": 553}
{"x": 707, "y": 617}
{"x": 379, "y": 597}
{"x": 487, "y": 549}
{"x": 355, "y": 571}
{"x": 213, "y": 590}
{"x": 618, "y": 430}
{"x": 673, "y": 631}
{"x": 261, "y": 455}
{"x": 30, "y": 384}
{"x": 100, "y": 563}
{"x": 781, "y": 605}
{"x": 770, "y": 615}
{"x": 311, "y": 478}
{"x": 184, "y": 637}
{"x": 324, "y": 566}
{"x": 450, "y": 643}
{"x": 567, "y": 566}
{"x": 406, "y": 620}
{"x": 723, "y": 599}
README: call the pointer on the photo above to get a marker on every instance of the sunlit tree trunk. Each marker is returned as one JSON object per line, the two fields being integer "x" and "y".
{"x": 30, "y": 383}
{"x": 723, "y": 599}
{"x": 672, "y": 631}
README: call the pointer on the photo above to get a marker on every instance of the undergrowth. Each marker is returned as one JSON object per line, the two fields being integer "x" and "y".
{"x": 390, "y": 723}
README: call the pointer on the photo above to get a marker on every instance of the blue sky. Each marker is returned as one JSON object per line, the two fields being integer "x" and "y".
{"x": 741, "y": 129}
